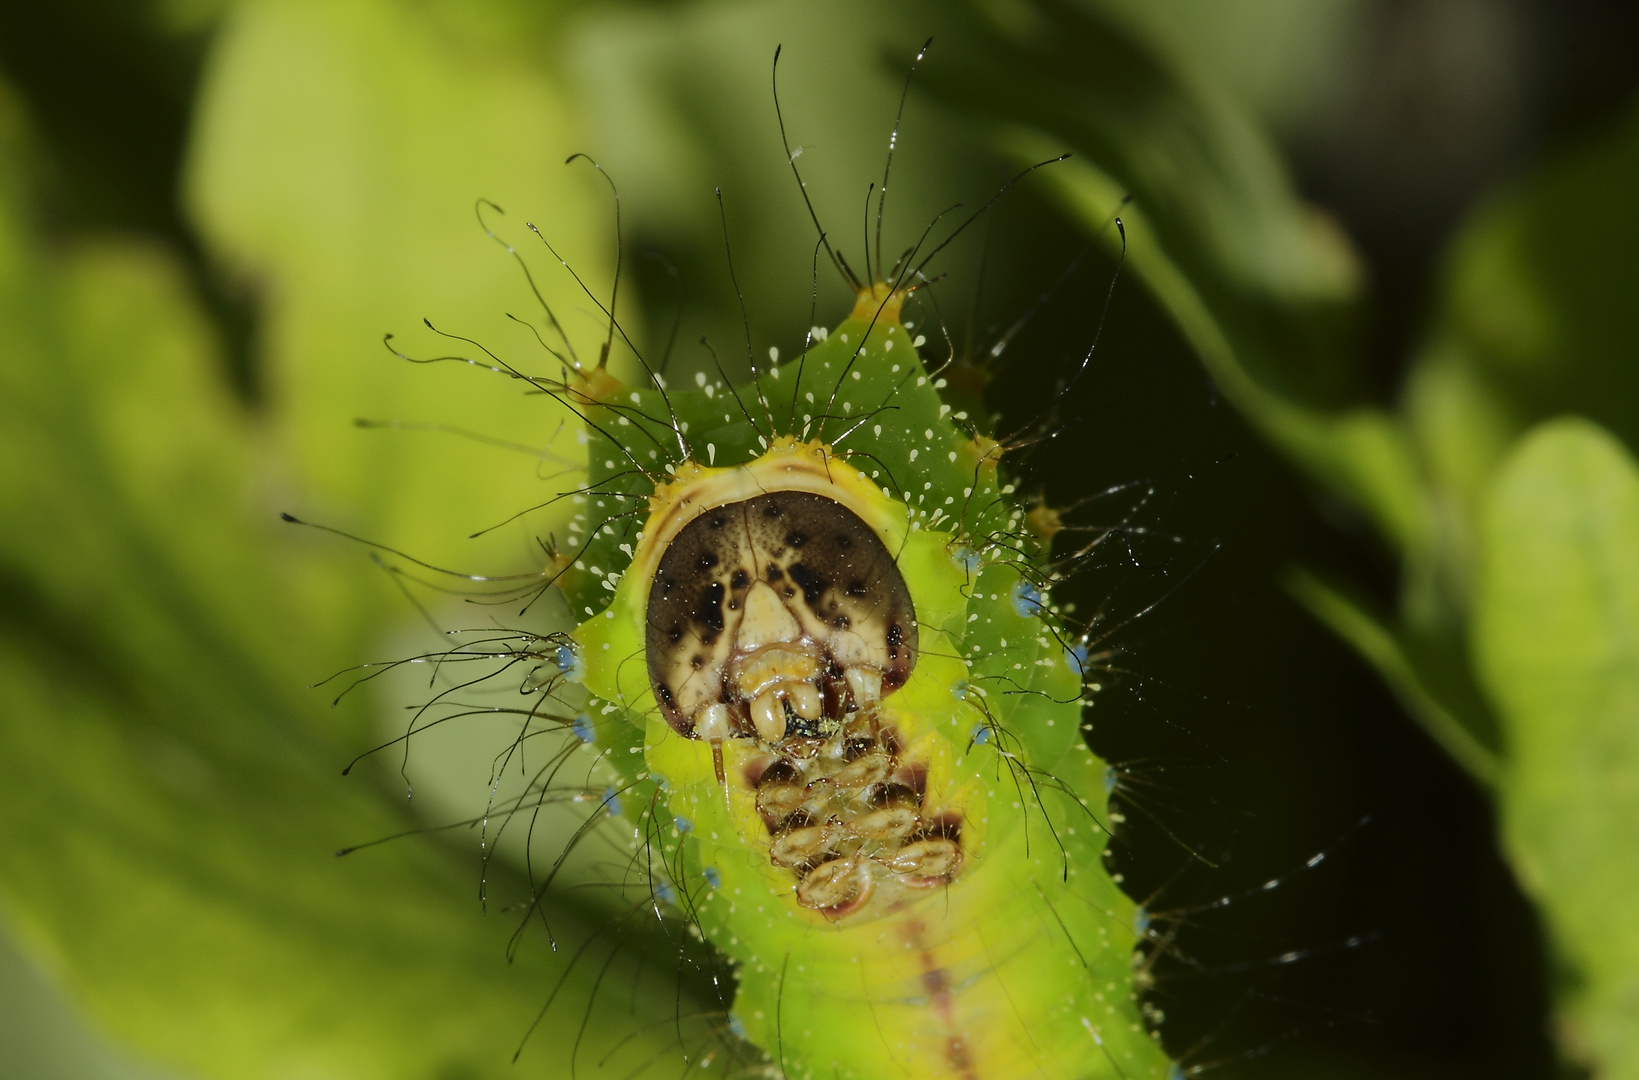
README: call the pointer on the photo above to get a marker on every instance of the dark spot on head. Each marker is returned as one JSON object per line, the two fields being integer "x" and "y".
{"x": 896, "y": 638}
{"x": 812, "y": 585}
{"x": 718, "y": 521}
{"x": 707, "y": 560}
{"x": 697, "y": 662}
{"x": 771, "y": 510}
{"x": 739, "y": 580}
{"x": 665, "y": 693}
{"x": 710, "y": 611}
{"x": 796, "y": 539}
{"x": 841, "y": 622}
{"x": 844, "y": 541}
{"x": 856, "y": 589}
{"x": 774, "y": 573}
{"x": 674, "y": 633}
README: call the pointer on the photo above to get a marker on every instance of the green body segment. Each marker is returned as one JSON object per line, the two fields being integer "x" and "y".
{"x": 1022, "y": 966}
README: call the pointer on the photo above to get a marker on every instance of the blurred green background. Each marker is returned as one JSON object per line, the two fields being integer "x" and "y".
{"x": 1371, "y": 364}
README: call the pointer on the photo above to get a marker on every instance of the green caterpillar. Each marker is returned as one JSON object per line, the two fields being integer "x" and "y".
{"x": 814, "y": 632}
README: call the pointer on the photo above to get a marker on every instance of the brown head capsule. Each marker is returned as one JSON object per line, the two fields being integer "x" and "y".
{"x": 777, "y": 616}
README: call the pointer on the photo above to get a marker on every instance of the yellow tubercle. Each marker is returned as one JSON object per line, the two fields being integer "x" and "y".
{"x": 879, "y": 304}
{"x": 595, "y": 385}
{"x": 1044, "y": 521}
{"x": 984, "y": 453}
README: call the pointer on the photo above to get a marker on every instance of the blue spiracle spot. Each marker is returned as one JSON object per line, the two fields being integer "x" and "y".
{"x": 582, "y": 727}
{"x": 682, "y": 824}
{"x": 570, "y": 664}
{"x": 1141, "y": 922}
{"x": 664, "y": 892}
{"x": 1175, "y": 1071}
{"x": 958, "y": 689}
{"x": 1027, "y": 599}
{"x": 981, "y": 734}
{"x": 968, "y": 560}
{"x": 1111, "y": 779}
{"x": 736, "y": 1026}
{"x": 611, "y": 801}
{"x": 1075, "y": 657}
{"x": 713, "y": 878}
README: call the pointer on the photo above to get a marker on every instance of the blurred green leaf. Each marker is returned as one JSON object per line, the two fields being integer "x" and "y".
{"x": 1531, "y": 324}
{"x": 1534, "y": 322}
{"x": 1361, "y": 452}
{"x": 44, "y": 1038}
{"x": 1556, "y": 632}
{"x": 1541, "y": 283}
{"x": 169, "y": 792}
{"x": 1262, "y": 286}
{"x": 347, "y": 197}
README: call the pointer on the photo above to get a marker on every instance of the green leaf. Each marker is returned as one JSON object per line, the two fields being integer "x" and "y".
{"x": 1263, "y": 287}
{"x": 1556, "y": 633}
{"x": 348, "y": 197}
{"x": 1538, "y": 297}
{"x": 1533, "y": 322}
{"x": 170, "y": 792}
{"x": 1362, "y": 452}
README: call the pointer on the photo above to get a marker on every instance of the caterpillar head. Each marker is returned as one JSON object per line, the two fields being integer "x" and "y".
{"x": 772, "y": 605}
{"x": 777, "y": 614}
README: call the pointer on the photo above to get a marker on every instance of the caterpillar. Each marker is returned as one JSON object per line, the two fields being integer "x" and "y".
{"x": 816, "y": 654}
{"x": 826, "y": 656}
